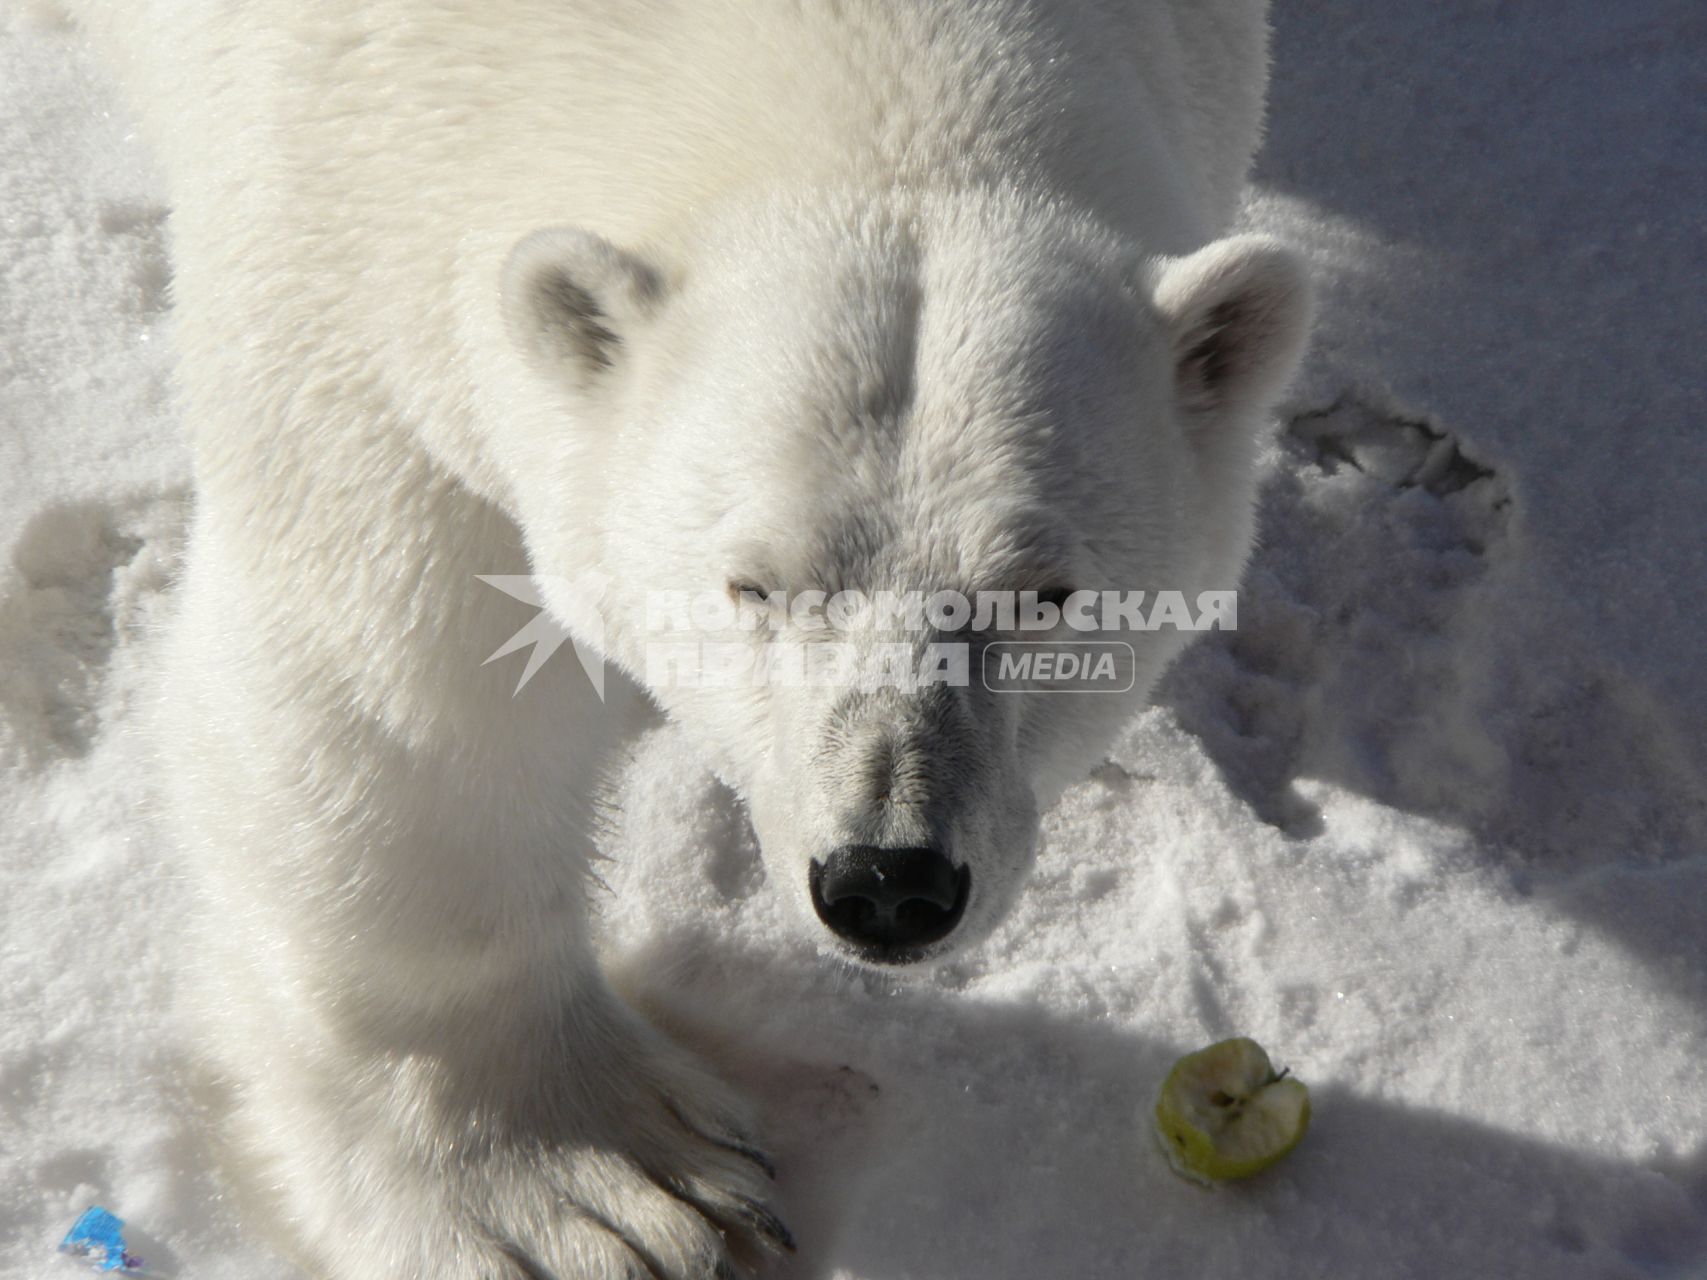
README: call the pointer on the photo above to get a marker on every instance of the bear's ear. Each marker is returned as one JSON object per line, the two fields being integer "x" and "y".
{"x": 1237, "y": 314}
{"x": 571, "y": 299}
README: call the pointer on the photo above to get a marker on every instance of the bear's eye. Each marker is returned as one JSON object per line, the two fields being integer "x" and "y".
{"x": 1056, "y": 596}
{"x": 746, "y": 591}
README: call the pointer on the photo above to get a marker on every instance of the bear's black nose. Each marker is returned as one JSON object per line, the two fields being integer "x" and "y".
{"x": 890, "y": 903}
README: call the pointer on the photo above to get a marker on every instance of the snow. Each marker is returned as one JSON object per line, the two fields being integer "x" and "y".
{"x": 1432, "y": 825}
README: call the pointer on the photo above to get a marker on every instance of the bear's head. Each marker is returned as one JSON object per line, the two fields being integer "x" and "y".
{"x": 775, "y": 443}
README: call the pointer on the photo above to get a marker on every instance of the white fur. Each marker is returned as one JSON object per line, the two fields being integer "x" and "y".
{"x": 888, "y": 295}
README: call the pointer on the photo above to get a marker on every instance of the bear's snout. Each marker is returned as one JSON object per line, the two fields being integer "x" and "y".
{"x": 891, "y": 904}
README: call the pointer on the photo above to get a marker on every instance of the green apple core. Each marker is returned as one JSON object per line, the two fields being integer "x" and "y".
{"x": 1225, "y": 1113}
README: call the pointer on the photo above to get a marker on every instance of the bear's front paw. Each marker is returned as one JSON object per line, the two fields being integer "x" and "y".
{"x": 665, "y": 1183}
{"x": 599, "y": 1152}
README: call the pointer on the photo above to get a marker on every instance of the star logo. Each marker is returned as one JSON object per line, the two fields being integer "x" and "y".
{"x": 544, "y": 633}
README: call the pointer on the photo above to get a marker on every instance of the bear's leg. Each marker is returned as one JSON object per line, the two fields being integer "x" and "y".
{"x": 426, "y": 1059}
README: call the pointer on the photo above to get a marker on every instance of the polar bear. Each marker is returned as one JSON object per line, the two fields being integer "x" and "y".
{"x": 735, "y": 296}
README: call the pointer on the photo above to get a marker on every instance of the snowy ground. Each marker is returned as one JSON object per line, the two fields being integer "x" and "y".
{"x": 1432, "y": 825}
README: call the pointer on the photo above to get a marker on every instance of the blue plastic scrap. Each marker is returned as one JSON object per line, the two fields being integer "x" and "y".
{"x": 98, "y": 1237}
